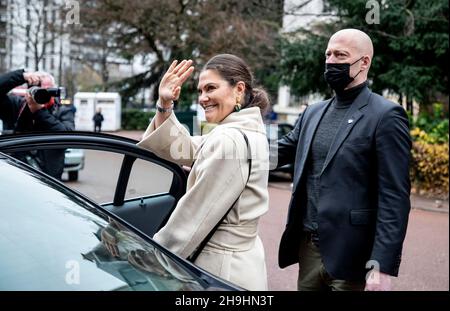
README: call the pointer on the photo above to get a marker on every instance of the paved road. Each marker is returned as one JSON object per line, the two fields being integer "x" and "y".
{"x": 425, "y": 263}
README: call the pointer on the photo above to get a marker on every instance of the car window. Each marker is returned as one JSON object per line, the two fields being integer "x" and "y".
{"x": 97, "y": 173}
{"x": 148, "y": 178}
{"x": 94, "y": 173}
{"x": 50, "y": 240}
{"x": 91, "y": 172}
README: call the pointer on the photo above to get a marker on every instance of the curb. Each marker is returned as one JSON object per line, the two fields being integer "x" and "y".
{"x": 431, "y": 209}
{"x": 429, "y": 204}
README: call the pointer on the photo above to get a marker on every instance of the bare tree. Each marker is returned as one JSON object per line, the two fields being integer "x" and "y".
{"x": 93, "y": 42}
{"x": 38, "y": 25}
{"x": 95, "y": 50}
{"x": 159, "y": 31}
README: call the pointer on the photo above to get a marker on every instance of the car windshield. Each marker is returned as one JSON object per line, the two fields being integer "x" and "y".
{"x": 50, "y": 239}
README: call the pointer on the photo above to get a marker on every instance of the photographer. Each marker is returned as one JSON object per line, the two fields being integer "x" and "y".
{"x": 22, "y": 114}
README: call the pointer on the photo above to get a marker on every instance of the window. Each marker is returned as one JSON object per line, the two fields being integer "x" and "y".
{"x": 97, "y": 172}
{"x": 147, "y": 179}
{"x": 90, "y": 172}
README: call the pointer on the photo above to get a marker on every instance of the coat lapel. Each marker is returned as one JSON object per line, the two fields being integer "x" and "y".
{"x": 310, "y": 129}
{"x": 352, "y": 117}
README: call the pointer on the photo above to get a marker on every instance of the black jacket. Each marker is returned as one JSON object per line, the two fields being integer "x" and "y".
{"x": 98, "y": 118}
{"x": 364, "y": 188}
{"x": 53, "y": 119}
{"x": 57, "y": 118}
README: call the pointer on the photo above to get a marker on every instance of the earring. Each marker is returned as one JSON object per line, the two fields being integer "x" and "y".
{"x": 238, "y": 106}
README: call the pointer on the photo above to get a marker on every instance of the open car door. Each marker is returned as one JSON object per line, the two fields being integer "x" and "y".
{"x": 141, "y": 188}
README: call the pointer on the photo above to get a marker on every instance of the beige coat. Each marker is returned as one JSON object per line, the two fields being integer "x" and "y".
{"x": 217, "y": 178}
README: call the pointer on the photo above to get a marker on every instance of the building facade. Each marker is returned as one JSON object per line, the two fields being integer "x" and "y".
{"x": 36, "y": 35}
{"x": 298, "y": 14}
{"x": 3, "y": 33}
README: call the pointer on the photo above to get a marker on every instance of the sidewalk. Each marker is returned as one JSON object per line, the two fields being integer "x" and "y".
{"x": 429, "y": 204}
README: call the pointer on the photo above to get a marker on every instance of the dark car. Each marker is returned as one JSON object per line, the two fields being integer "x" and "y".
{"x": 51, "y": 236}
{"x": 274, "y": 132}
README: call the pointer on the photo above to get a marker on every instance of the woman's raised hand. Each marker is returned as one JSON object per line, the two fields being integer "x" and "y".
{"x": 173, "y": 79}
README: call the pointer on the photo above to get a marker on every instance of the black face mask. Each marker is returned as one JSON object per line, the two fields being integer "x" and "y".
{"x": 337, "y": 75}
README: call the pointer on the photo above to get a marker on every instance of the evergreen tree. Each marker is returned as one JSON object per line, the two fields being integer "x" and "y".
{"x": 410, "y": 43}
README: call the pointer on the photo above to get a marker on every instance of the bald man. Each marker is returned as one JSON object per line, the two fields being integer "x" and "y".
{"x": 349, "y": 209}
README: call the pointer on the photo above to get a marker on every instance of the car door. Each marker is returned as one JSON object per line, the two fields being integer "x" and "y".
{"x": 145, "y": 209}
{"x": 51, "y": 238}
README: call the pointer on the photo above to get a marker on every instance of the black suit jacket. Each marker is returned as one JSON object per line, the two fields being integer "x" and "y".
{"x": 364, "y": 188}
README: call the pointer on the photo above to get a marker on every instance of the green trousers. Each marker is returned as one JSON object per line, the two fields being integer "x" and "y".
{"x": 313, "y": 276}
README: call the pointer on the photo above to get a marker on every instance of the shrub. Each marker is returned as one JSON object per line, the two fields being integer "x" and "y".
{"x": 429, "y": 169}
{"x": 136, "y": 119}
{"x": 434, "y": 124}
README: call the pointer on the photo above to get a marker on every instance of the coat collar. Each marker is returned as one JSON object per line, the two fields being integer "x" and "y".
{"x": 249, "y": 119}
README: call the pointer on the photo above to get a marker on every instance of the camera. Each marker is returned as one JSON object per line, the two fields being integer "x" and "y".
{"x": 44, "y": 95}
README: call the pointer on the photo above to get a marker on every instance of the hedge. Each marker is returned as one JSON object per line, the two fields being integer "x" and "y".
{"x": 136, "y": 119}
{"x": 429, "y": 167}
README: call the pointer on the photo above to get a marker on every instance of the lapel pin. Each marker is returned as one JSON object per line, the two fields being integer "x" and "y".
{"x": 350, "y": 121}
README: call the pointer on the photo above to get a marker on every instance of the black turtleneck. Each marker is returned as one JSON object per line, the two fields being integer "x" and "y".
{"x": 346, "y": 97}
{"x": 320, "y": 145}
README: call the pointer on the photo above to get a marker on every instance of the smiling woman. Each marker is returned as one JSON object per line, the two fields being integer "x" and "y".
{"x": 215, "y": 224}
{"x": 226, "y": 85}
